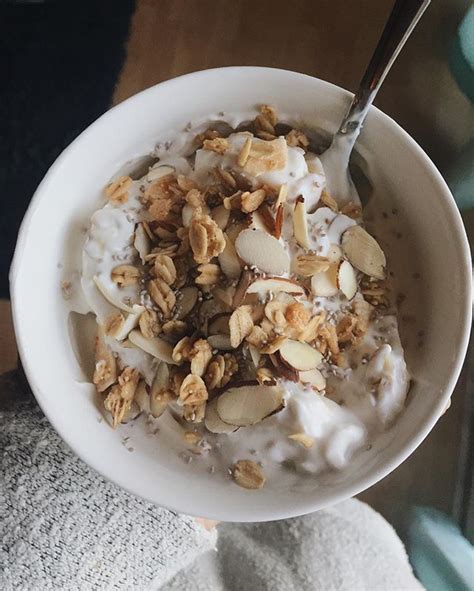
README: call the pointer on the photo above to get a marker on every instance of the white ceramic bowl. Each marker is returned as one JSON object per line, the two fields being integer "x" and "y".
{"x": 433, "y": 244}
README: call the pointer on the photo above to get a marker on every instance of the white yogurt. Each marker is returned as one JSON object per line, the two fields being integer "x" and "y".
{"x": 364, "y": 399}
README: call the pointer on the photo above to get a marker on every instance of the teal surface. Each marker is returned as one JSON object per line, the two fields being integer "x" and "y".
{"x": 443, "y": 560}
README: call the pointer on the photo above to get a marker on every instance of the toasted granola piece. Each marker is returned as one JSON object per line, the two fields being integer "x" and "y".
{"x": 219, "y": 145}
{"x": 117, "y": 191}
{"x": 185, "y": 183}
{"x": 240, "y": 325}
{"x": 248, "y": 474}
{"x": 160, "y": 209}
{"x": 220, "y": 370}
{"x": 266, "y": 156}
{"x": 275, "y": 312}
{"x": 297, "y": 316}
{"x": 375, "y": 292}
{"x": 195, "y": 198}
{"x": 149, "y": 324}
{"x": 162, "y": 295}
{"x": 345, "y": 329}
{"x": 200, "y": 356}
{"x": 125, "y": 275}
{"x": 193, "y": 391}
{"x": 311, "y": 330}
{"x": 182, "y": 350}
{"x": 269, "y": 113}
{"x": 165, "y": 269}
{"x": 263, "y": 125}
{"x": 296, "y": 138}
{"x": 257, "y": 337}
{"x": 105, "y": 373}
{"x": 209, "y": 134}
{"x": 206, "y": 238}
{"x": 194, "y": 413}
{"x": 329, "y": 334}
{"x": 120, "y": 397}
{"x": 209, "y": 274}
{"x": 160, "y": 189}
{"x": 251, "y": 201}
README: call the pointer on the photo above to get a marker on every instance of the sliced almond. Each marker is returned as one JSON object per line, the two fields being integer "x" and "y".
{"x": 255, "y": 355}
{"x": 279, "y": 218}
{"x": 220, "y": 342}
{"x": 282, "y": 195}
{"x": 300, "y": 223}
{"x": 229, "y": 261}
{"x": 325, "y": 284}
{"x": 213, "y": 422}
{"x": 364, "y": 252}
{"x": 263, "y": 287}
{"x": 314, "y": 378}
{"x": 241, "y": 290}
{"x": 157, "y": 172}
{"x": 187, "y": 301}
{"x": 221, "y": 216}
{"x": 247, "y": 405}
{"x": 112, "y": 298}
{"x": 219, "y": 324}
{"x": 142, "y": 242}
{"x": 259, "y": 249}
{"x": 156, "y": 347}
{"x": 346, "y": 279}
{"x": 300, "y": 356}
{"x": 131, "y": 321}
{"x": 248, "y": 474}
{"x": 303, "y": 439}
{"x": 274, "y": 345}
{"x": 263, "y": 219}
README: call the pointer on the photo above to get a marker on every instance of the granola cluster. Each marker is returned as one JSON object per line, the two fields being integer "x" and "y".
{"x": 225, "y": 307}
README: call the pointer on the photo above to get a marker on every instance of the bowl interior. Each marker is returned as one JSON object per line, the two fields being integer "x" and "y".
{"x": 414, "y": 217}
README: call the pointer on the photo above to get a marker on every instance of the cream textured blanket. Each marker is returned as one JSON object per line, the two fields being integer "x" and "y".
{"x": 62, "y": 527}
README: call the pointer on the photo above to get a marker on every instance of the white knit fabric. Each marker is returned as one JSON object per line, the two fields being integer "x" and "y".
{"x": 62, "y": 527}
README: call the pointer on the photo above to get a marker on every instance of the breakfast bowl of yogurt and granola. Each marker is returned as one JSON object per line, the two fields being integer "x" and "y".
{"x": 223, "y": 336}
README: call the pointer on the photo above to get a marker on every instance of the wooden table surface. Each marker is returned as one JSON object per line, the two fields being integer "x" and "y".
{"x": 333, "y": 40}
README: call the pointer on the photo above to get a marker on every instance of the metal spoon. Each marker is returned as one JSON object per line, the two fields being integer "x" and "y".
{"x": 401, "y": 22}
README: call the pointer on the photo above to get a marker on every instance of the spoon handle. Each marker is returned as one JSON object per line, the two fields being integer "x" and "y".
{"x": 401, "y": 22}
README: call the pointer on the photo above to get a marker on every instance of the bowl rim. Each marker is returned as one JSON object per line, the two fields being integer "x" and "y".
{"x": 350, "y": 489}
